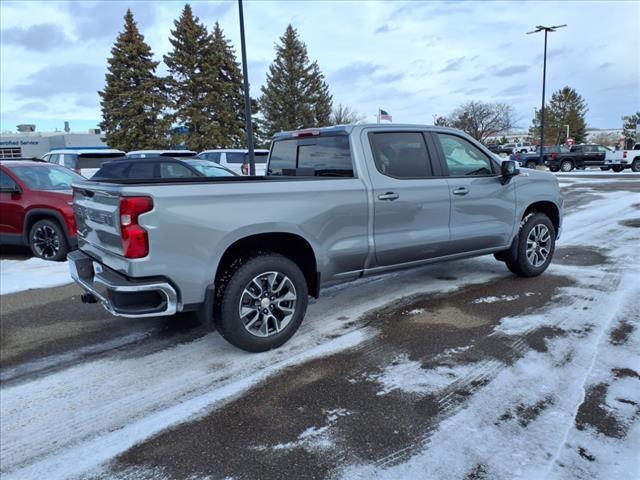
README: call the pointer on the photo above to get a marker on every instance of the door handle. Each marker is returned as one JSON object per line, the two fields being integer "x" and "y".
{"x": 388, "y": 196}
{"x": 461, "y": 191}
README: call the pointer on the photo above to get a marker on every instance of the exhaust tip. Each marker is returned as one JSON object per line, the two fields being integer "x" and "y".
{"x": 88, "y": 298}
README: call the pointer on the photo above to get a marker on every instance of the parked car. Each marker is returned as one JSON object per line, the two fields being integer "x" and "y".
{"x": 35, "y": 207}
{"x": 532, "y": 160}
{"x": 618, "y": 160}
{"x": 160, "y": 153}
{"x": 493, "y": 147}
{"x": 237, "y": 160}
{"x": 84, "y": 161}
{"x": 339, "y": 203}
{"x": 579, "y": 156}
{"x": 160, "y": 167}
{"x": 521, "y": 147}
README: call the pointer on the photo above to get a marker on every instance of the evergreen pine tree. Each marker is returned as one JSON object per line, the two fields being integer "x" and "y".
{"x": 192, "y": 83}
{"x": 566, "y": 107}
{"x": 133, "y": 99}
{"x": 296, "y": 94}
{"x": 227, "y": 105}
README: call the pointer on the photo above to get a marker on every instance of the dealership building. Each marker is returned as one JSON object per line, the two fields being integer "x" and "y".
{"x": 27, "y": 143}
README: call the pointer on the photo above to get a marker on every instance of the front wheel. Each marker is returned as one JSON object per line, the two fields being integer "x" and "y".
{"x": 535, "y": 246}
{"x": 531, "y": 164}
{"x": 263, "y": 303}
{"x": 635, "y": 166}
{"x": 617, "y": 168}
{"x": 47, "y": 240}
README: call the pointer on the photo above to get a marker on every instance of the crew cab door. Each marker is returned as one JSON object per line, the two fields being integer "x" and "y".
{"x": 411, "y": 203}
{"x": 482, "y": 208}
{"x": 593, "y": 157}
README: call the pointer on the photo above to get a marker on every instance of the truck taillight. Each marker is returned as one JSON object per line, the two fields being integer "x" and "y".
{"x": 624, "y": 154}
{"x": 554, "y": 156}
{"x": 135, "y": 242}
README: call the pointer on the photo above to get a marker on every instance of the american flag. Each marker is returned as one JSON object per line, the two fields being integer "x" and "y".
{"x": 384, "y": 115}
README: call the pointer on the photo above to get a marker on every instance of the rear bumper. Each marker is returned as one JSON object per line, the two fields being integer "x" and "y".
{"x": 120, "y": 295}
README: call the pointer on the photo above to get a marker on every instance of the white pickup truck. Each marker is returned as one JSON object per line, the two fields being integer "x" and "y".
{"x": 618, "y": 160}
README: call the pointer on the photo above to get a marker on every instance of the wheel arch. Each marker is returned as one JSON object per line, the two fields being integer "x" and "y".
{"x": 550, "y": 209}
{"x": 36, "y": 214}
{"x": 290, "y": 245}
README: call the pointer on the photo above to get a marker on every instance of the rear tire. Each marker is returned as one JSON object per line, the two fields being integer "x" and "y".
{"x": 263, "y": 303}
{"x": 566, "y": 165}
{"x": 535, "y": 246}
{"x": 48, "y": 241}
{"x": 531, "y": 164}
{"x": 617, "y": 168}
{"x": 604, "y": 169}
{"x": 635, "y": 166}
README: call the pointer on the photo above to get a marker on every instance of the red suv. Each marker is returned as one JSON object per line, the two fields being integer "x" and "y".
{"x": 36, "y": 207}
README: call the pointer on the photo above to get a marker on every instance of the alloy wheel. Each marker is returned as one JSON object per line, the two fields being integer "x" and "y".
{"x": 267, "y": 304}
{"x": 46, "y": 241}
{"x": 538, "y": 245}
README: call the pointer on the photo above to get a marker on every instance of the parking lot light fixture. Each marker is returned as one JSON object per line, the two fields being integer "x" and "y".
{"x": 247, "y": 98}
{"x": 546, "y": 30}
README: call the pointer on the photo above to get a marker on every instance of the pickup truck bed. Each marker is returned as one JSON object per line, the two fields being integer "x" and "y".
{"x": 337, "y": 203}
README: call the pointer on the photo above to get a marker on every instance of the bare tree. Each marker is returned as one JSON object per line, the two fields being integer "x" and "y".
{"x": 345, "y": 115}
{"x": 482, "y": 120}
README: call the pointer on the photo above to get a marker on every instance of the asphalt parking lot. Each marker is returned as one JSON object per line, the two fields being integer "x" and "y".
{"x": 456, "y": 370}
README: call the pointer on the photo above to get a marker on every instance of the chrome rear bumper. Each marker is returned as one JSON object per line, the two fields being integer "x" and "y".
{"x": 120, "y": 295}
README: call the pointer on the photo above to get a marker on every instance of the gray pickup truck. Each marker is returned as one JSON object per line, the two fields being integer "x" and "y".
{"x": 337, "y": 203}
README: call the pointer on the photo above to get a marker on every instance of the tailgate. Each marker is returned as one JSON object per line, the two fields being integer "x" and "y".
{"x": 97, "y": 215}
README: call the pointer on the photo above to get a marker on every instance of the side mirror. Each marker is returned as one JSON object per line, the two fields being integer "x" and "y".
{"x": 508, "y": 169}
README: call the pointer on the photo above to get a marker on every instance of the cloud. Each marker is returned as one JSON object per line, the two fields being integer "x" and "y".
{"x": 42, "y": 37}
{"x": 510, "y": 71}
{"x": 389, "y": 77}
{"x": 385, "y": 28}
{"x": 354, "y": 72}
{"x": 512, "y": 90}
{"x": 97, "y": 20}
{"x": 477, "y": 77}
{"x": 453, "y": 64}
{"x": 75, "y": 78}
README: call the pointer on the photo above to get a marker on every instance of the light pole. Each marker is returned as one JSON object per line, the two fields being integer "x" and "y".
{"x": 247, "y": 98}
{"x": 546, "y": 30}
{"x": 567, "y": 133}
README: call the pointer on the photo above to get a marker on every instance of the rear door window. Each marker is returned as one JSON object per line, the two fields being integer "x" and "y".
{"x": 143, "y": 170}
{"x": 213, "y": 156}
{"x": 235, "y": 157}
{"x": 325, "y": 156}
{"x": 175, "y": 170}
{"x": 401, "y": 154}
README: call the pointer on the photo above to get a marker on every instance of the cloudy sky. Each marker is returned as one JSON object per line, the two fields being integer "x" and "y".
{"x": 413, "y": 59}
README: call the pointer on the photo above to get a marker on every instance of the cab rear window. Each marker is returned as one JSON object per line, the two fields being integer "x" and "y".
{"x": 326, "y": 156}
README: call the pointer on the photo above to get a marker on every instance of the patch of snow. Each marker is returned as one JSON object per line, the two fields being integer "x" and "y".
{"x": 314, "y": 438}
{"x": 410, "y": 377}
{"x": 20, "y": 275}
{"x": 492, "y": 299}
{"x": 416, "y": 311}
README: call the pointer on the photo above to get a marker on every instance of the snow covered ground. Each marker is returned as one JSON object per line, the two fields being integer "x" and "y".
{"x": 568, "y": 409}
{"x": 19, "y": 275}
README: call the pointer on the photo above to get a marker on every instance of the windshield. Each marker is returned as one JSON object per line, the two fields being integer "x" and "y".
{"x": 40, "y": 177}
{"x": 210, "y": 169}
